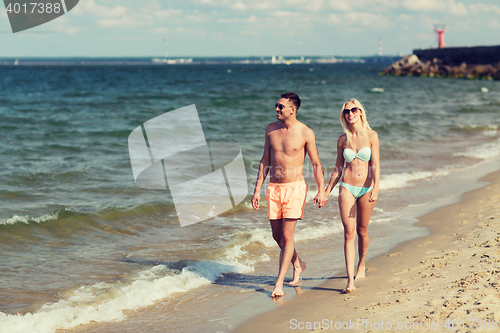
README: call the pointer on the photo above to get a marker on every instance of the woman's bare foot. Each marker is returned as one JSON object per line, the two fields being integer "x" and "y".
{"x": 348, "y": 290}
{"x": 360, "y": 275}
{"x": 296, "y": 272}
{"x": 298, "y": 290}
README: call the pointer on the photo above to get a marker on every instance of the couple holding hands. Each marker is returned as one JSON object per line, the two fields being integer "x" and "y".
{"x": 357, "y": 168}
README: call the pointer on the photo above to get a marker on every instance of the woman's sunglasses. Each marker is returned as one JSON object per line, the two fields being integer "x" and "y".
{"x": 353, "y": 110}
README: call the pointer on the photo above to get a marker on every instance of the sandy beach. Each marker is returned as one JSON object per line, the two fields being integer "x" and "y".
{"x": 446, "y": 281}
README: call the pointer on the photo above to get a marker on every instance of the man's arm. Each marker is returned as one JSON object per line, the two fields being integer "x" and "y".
{"x": 321, "y": 198}
{"x": 339, "y": 165}
{"x": 263, "y": 170}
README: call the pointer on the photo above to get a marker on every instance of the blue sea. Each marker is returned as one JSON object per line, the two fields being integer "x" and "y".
{"x": 84, "y": 249}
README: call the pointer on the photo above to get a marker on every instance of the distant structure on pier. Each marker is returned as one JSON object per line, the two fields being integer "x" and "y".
{"x": 440, "y": 29}
{"x": 165, "y": 53}
{"x": 380, "y": 47}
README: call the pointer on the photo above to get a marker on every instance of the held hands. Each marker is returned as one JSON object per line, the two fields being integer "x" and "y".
{"x": 321, "y": 198}
{"x": 256, "y": 201}
{"x": 373, "y": 195}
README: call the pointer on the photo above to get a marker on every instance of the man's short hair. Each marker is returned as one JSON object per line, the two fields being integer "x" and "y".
{"x": 294, "y": 98}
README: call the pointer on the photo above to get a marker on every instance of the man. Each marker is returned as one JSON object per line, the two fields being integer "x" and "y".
{"x": 287, "y": 141}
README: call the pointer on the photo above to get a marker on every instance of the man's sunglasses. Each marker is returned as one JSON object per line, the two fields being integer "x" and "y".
{"x": 279, "y": 106}
{"x": 353, "y": 110}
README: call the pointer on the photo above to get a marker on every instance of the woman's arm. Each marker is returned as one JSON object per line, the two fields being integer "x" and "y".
{"x": 375, "y": 166}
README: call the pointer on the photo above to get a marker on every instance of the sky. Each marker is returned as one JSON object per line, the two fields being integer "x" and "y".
{"x": 209, "y": 28}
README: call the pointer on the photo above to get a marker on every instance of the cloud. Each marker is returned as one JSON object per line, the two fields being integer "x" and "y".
{"x": 167, "y": 13}
{"x": 424, "y": 5}
{"x": 113, "y": 22}
{"x": 457, "y": 9}
{"x": 334, "y": 19}
{"x": 404, "y": 18}
{"x": 340, "y": 5}
{"x": 306, "y": 5}
{"x": 480, "y": 8}
{"x": 446, "y": 6}
{"x": 239, "y": 6}
{"x": 302, "y": 6}
{"x": 90, "y": 8}
{"x": 105, "y": 16}
{"x": 425, "y": 36}
{"x": 251, "y": 19}
{"x": 494, "y": 24}
{"x": 370, "y": 20}
{"x": 198, "y": 17}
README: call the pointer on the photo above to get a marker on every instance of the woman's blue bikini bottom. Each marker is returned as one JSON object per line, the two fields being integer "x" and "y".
{"x": 356, "y": 191}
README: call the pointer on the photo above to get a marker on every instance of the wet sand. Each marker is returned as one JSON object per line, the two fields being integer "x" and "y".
{"x": 446, "y": 281}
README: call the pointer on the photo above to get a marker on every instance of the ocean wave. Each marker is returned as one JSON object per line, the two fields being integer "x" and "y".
{"x": 106, "y": 302}
{"x": 400, "y": 180}
{"x": 377, "y": 90}
{"x": 397, "y": 180}
{"x": 26, "y": 219}
{"x": 486, "y": 129}
{"x": 233, "y": 254}
{"x": 482, "y": 152}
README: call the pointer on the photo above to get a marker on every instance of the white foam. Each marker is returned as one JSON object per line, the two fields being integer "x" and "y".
{"x": 26, "y": 219}
{"x": 236, "y": 255}
{"x": 483, "y": 152}
{"x": 315, "y": 232}
{"x": 106, "y": 302}
{"x": 488, "y": 127}
{"x": 390, "y": 181}
{"x": 311, "y": 193}
{"x": 488, "y": 130}
{"x": 400, "y": 180}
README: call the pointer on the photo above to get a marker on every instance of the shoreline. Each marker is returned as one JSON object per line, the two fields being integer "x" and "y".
{"x": 450, "y": 274}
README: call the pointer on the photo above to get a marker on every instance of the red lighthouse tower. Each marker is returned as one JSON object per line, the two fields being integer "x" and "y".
{"x": 440, "y": 29}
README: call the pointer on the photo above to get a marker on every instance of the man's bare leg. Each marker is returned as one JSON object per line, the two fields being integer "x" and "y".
{"x": 286, "y": 255}
{"x": 298, "y": 265}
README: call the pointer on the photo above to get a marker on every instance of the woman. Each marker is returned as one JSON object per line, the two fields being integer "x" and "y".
{"x": 358, "y": 190}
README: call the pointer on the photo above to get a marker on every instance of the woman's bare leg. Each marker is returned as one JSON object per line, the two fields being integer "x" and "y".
{"x": 364, "y": 212}
{"x": 347, "y": 206}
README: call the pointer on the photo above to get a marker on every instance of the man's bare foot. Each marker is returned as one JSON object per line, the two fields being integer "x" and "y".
{"x": 296, "y": 273}
{"x": 360, "y": 275}
{"x": 277, "y": 293}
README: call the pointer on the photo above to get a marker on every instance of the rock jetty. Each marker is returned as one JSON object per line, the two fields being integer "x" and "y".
{"x": 412, "y": 66}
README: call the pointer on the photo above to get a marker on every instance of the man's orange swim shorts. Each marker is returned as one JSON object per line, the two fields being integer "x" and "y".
{"x": 286, "y": 200}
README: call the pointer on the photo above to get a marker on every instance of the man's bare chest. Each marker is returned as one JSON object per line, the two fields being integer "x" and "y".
{"x": 286, "y": 143}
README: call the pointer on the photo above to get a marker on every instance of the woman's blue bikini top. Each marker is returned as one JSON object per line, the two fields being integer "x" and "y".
{"x": 364, "y": 154}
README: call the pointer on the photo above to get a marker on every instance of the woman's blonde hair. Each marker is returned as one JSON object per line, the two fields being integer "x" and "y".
{"x": 344, "y": 123}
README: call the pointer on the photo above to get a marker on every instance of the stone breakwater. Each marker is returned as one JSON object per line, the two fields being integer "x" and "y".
{"x": 412, "y": 66}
